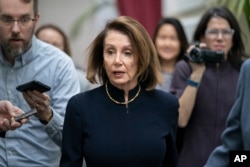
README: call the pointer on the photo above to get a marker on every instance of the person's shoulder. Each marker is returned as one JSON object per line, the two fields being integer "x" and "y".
{"x": 182, "y": 67}
{"x": 165, "y": 102}
{"x": 48, "y": 50}
{"x": 162, "y": 96}
{"x": 246, "y": 64}
{"x": 165, "y": 94}
{"x": 90, "y": 94}
{"x": 245, "y": 70}
{"x": 182, "y": 63}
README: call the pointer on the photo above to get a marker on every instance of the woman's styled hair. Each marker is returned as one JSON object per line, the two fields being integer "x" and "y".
{"x": 148, "y": 64}
{"x": 66, "y": 43}
{"x": 180, "y": 34}
{"x": 237, "y": 53}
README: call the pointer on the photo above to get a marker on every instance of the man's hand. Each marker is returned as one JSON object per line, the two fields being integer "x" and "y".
{"x": 7, "y": 114}
{"x": 40, "y": 101}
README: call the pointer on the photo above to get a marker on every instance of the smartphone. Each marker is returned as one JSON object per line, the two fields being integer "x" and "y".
{"x": 26, "y": 115}
{"x": 33, "y": 85}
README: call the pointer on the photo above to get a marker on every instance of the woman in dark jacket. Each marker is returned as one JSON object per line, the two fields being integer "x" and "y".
{"x": 206, "y": 87}
{"x": 125, "y": 122}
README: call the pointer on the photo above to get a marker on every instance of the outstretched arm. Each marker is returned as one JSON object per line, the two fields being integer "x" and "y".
{"x": 7, "y": 112}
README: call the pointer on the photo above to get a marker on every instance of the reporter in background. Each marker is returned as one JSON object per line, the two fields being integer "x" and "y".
{"x": 7, "y": 112}
{"x": 207, "y": 89}
{"x": 236, "y": 136}
{"x": 24, "y": 58}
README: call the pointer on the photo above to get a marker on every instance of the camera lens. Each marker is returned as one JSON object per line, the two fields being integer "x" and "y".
{"x": 196, "y": 55}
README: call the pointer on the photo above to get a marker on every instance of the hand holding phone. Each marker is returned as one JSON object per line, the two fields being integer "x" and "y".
{"x": 33, "y": 85}
{"x": 39, "y": 101}
{"x": 25, "y": 115}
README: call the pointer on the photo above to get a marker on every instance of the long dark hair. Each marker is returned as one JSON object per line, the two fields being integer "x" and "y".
{"x": 180, "y": 33}
{"x": 236, "y": 54}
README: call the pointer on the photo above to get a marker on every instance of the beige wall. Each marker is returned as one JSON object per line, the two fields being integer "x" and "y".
{"x": 64, "y": 13}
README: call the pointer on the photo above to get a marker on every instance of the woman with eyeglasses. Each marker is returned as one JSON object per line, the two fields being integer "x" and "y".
{"x": 206, "y": 86}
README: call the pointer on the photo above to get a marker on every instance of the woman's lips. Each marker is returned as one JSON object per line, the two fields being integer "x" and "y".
{"x": 118, "y": 73}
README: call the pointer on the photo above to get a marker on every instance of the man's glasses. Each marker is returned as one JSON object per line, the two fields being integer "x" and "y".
{"x": 226, "y": 33}
{"x": 8, "y": 22}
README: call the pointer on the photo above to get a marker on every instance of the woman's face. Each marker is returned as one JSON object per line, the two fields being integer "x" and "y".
{"x": 219, "y": 35}
{"x": 167, "y": 43}
{"x": 120, "y": 61}
{"x": 52, "y": 37}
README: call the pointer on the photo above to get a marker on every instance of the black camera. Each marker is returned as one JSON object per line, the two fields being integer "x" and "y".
{"x": 200, "y": 55}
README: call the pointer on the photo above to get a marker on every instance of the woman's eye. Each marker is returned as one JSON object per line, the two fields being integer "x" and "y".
{"x": 128, "y": 53}
{"x": 109, "y": 52}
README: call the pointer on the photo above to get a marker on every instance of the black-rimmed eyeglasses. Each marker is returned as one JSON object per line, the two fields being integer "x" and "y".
{"x": 8, "y": 22}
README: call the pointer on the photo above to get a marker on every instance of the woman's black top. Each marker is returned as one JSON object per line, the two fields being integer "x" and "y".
{"x": 106, "y": 134}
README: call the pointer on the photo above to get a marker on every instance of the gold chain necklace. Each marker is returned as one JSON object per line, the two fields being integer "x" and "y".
{"x": 117, "y": 102}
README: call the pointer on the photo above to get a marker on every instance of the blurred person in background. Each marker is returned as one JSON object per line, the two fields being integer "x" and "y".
{"x": 171, "y": 44}
{"x": 206, "y": 84}
{"x": 54, "y": 35}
